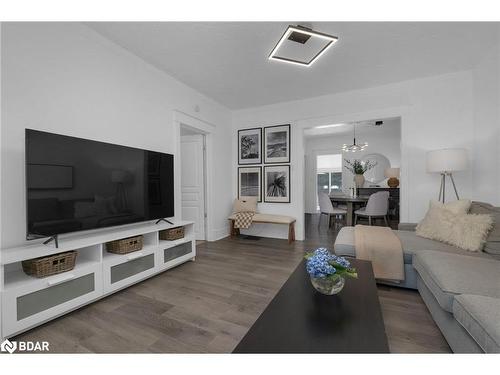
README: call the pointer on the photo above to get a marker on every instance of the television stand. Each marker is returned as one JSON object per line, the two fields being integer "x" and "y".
{"x": 27, "y": 302}
{"x": 165, "y": 220}
{"x": 50, "y": 239}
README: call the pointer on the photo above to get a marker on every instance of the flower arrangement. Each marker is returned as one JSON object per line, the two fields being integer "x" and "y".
{"x": 359, "y": 167}
{"x": 321, "y": 264}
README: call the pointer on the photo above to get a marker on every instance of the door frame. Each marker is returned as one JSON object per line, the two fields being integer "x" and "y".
{"x": 403, "y": 112}
{"x": 207, "y": 130}
{"x": 203, "y": 176}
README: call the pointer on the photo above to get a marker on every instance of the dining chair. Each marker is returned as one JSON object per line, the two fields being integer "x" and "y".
{"x": 326, "y": 208}
{"x": 339, "y": 193}
{"x": 376, "y": 207}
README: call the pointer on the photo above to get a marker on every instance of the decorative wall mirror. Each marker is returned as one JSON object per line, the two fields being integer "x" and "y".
{"x": 376, "y": 174}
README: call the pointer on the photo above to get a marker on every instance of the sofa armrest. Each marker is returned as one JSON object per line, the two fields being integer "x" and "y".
{"x": 407, "y": 226}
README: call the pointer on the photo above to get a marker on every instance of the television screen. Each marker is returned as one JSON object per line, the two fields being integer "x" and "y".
{"x": 76, "y": 184}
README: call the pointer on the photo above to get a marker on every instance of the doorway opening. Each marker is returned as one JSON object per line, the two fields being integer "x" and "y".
{"x": 331, "y": 149}
{"x": 194, "y": 179}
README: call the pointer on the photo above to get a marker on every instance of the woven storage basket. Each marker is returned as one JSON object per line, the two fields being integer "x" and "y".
{"x": 50, "y": 265}
{"x": 172, "y": 234}
{"x": 125, "y": 245}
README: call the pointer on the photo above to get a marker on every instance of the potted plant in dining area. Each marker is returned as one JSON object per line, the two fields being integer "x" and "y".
{"x": 358, "y": 169}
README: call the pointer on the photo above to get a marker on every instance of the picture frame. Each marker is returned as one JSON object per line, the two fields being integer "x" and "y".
{"x": 277, "y": 144}
{"x": 277, "y": 184}
{"x": 250, "y": 182}
{"x": 250, "y": 146}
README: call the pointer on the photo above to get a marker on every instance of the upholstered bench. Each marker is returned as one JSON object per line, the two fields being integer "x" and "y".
{"x": 267, "y": 219}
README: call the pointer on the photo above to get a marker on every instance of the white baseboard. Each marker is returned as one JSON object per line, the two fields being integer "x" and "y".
{"x": 218, "y": 234}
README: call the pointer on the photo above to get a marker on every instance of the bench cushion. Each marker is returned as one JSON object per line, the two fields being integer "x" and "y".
{"x": 480, "y": 316}
{"x": 268, "y": 218}
{"x": 447, "y": 275}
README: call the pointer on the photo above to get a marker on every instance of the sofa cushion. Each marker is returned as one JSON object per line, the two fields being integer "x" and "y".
{"x": 492, "y": 244}
{"x": 447, "y": 275}
{"x": 480, "y": 316}
{"x": 411, "y": 243}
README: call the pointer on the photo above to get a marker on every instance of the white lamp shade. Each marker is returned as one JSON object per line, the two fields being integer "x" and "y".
{"x": 391, "y": 172}
{"x": 446, "y": 160}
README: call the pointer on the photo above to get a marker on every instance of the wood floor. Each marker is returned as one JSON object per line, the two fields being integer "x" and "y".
{"x": 208, "y": 305}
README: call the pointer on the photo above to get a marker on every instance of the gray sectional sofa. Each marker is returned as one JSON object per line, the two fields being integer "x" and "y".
{"x": 460, "y": 288}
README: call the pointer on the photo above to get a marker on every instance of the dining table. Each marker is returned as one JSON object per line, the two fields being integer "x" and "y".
{"x": 351, "y": 203}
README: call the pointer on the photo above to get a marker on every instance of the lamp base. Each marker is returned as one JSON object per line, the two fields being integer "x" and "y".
{"x": 442, "y": 188}
{"x": 393, "y": 182}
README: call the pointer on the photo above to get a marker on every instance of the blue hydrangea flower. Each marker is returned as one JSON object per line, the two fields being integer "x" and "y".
{"x": 322, "y": 263}
{"x": 341, "y": 261}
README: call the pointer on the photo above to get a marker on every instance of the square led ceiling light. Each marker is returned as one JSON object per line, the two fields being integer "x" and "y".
{"x": 301, "y": 46}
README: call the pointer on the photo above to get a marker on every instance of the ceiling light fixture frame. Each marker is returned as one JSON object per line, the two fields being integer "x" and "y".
{"x": 307, "y": 31}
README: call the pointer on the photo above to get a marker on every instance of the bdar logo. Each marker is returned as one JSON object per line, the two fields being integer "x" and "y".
{"x": 8, "y": 346}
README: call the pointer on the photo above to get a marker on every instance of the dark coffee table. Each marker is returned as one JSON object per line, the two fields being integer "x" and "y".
{"x": 301, "y": 320}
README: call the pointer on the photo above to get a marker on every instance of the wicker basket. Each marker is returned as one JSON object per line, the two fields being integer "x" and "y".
{"x": 125, "y": 245}
{"x": 172, "y": 234}
{"x": 50, "y": 265}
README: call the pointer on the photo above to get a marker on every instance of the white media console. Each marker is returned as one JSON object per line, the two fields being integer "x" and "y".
{"x": 27, "y": 302}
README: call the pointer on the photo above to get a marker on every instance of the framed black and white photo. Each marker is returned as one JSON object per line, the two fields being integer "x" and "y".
{"x": 277, "y": 184}
{"x": 250, "y": 146}
{"x": 249, "y": 182}
{"x": 277, "y": 144}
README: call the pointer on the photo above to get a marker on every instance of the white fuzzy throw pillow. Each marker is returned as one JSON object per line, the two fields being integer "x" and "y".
{"x": 460, "y": 206}
{"x": 466, "y": 231}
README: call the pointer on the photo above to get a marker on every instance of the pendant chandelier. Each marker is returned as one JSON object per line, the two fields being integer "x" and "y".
{"x": 354, "y": 146}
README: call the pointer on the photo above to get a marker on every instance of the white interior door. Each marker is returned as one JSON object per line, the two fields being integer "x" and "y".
{"x": 192, "y": 182}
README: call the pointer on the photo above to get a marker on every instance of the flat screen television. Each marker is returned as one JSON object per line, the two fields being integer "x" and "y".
{"x": 75, "y": 184}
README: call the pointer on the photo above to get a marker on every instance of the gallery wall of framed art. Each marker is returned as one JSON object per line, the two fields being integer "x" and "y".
{"x": 268, "y": 145}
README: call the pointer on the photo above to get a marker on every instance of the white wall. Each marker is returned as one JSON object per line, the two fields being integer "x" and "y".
{"x": 486, "y": 162}
{"x": 436, "y": 112}
{"x": 65, "y": 78}
{"x": 385, "y": 140}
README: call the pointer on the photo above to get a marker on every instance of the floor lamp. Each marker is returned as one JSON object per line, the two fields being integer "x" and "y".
{"x": 445, "y": 162}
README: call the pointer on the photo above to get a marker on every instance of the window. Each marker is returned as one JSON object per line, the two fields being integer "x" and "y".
{"x": 329, "y": 173}
{"x": 335, "y": 181}
{"x": 328, "y": 182}
{"x": 324, "y": 182}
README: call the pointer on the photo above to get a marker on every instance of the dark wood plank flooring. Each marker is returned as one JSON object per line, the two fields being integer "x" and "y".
{"x": 208, "y": 305}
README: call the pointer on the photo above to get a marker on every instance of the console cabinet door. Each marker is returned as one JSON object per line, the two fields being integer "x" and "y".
{"x": 123, "y": 270}
{"x": 35, "y": 303}
{"x": 175, "y": 255}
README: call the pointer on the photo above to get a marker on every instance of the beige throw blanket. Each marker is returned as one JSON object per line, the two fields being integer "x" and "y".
{"x": 383, "y": 248}
{"x": 243, "y": 220}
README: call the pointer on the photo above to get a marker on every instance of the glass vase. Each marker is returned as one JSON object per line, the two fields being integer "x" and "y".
{"x": 328, "y": 286}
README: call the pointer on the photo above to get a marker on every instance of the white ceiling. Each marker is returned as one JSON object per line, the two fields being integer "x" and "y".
{"x": 391, "y": 128}
{"x": 228, "y": 61}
